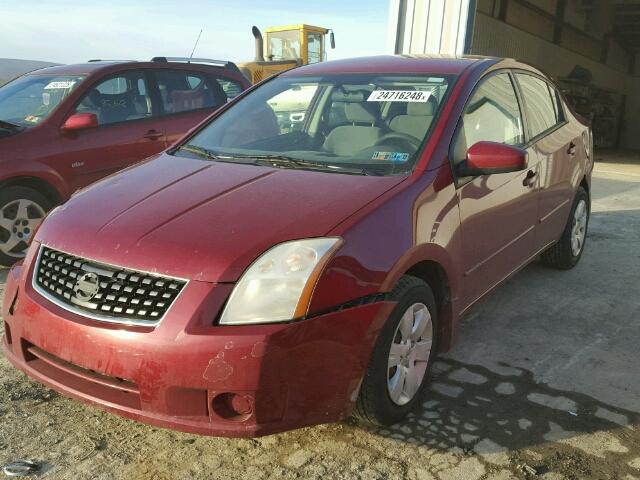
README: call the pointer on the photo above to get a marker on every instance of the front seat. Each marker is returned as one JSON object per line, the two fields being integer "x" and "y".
{"x": 417, "y": 120}
{"x": 346, "y": 140}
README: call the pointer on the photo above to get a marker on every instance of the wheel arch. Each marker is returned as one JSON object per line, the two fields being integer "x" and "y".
{"x": 36, "y": 183}
{"x": 433, "y": 264}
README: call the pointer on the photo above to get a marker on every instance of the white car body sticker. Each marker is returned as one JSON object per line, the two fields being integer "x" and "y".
{"x": 399, "y": 96}
{"x": 60, "y": 85}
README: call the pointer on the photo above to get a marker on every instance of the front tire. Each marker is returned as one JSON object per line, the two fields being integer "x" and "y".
{"x": 566, "y": 253}
{"x": 398, "y": 371}
{"x": 21, "y": 210}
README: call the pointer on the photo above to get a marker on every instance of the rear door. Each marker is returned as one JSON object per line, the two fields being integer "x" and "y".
{"x": 555, "y": 143}
{"x": 128, "y": 130}
{"x": 188, "y": 97}
{"x": 499, "y": 211}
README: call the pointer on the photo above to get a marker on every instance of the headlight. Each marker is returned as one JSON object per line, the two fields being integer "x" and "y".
{"x": 279, "y": 284}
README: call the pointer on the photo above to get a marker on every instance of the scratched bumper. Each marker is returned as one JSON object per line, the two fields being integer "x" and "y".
{"x": 290, "y": 375}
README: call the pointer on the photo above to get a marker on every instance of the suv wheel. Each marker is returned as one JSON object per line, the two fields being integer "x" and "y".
{"x": 568, "y": 250}
{"x": 398, "y": 371}
{"x": 21, "y": 210}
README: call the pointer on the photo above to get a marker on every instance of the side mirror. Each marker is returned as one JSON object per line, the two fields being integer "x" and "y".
{"x": 80, "y": 121}
{"x": 332, "y": 39}
{"x": 486, "y": 158}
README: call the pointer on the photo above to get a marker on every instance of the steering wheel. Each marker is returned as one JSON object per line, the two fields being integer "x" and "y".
{"x": 397, "y": 137}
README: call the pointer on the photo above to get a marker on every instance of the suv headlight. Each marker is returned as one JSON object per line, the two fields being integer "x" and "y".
{"x": 278, "y": 285}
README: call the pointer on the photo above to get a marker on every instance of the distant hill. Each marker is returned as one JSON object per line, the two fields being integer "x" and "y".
{"x": 10, "y": 68}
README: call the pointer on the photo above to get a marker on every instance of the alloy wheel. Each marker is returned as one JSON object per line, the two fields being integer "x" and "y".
{"x": 18, "y": 219}
{"x": 579, "y": 228}
{"x": 409, "y": 354}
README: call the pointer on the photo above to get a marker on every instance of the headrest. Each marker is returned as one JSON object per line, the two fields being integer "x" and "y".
{"x": 360, "y": 112}
{"x": 421, "y": 109}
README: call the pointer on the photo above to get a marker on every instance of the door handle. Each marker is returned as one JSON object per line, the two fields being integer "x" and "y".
{"x": 530, "y": 179}
{"x": 572, "y": 149}
{"x": 153, "y": 135}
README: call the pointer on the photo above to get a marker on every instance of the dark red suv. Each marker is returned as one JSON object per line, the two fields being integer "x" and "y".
{"x": 265, "y": 274}
{"x": 64, "y": 127}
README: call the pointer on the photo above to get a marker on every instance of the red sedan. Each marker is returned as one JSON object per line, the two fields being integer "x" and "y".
{"x": 63, "y": 127}
{"x": 270, "y": 272}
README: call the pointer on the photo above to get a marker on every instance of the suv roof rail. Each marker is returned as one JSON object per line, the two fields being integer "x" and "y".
{"x": 207, "y": 61}
{"x": 221, "y": 63}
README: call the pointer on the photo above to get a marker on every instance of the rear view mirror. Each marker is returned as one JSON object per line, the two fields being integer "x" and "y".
{"x": 332, "y": 39}
{"x": 80, "y": 121}
{"x": 486, "y": 158}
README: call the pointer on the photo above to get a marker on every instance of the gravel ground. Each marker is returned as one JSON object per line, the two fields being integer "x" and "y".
{"x": 543, "y": 384}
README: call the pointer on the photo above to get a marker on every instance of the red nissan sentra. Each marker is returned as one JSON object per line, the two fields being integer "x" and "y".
{"x": 270, "y": 271}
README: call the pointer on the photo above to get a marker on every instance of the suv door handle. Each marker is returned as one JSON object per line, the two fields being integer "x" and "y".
{"x": 572, "y": 149}
{"x": 530, "y": 179}
{"x": 153, "y": 135}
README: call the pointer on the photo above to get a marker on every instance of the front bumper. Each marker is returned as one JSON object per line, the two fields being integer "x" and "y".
{"x": 175, "y": 375}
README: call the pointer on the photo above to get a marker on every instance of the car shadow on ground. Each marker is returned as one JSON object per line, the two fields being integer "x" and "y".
{"x": 510, "y": 421}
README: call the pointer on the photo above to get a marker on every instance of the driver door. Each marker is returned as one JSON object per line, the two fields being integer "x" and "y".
{"x": 498, "y": 212}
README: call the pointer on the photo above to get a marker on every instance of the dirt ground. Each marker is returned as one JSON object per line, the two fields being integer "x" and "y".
{"x": 543, "y": 384}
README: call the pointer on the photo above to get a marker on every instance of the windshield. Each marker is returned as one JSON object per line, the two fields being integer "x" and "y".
{"x": 368, "y": 124}
{"x": 30, "y": 99}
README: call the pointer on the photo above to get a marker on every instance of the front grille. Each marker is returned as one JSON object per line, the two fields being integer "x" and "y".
{"x": 104, "y": 292}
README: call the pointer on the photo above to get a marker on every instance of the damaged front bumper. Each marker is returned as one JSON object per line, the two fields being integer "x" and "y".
{"x": 188, "y": 374}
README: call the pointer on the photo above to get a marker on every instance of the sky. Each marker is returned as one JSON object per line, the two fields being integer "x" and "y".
{"x": 72, "y": 31}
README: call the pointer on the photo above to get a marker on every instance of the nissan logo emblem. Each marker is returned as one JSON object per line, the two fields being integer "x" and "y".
{"x": 86, "y": 287}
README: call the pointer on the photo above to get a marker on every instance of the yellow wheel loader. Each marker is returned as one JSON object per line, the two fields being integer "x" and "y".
{"x": 287, "y": 47}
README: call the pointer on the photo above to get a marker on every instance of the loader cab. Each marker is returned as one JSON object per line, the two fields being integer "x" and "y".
{"x": 303, "y": 43}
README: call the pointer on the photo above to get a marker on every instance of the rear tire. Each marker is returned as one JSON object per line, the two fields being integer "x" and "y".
{"x": 395, "y": 380}
{"x": 21, "y": 211}
{"x": 566, "y": 253}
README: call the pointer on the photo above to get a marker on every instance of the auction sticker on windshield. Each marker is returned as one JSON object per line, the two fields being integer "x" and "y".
{"x": 398, "y": 96}
{"x": 60, "y": 85}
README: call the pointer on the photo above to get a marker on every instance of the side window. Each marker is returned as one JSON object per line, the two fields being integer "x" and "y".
{"x": 314, "y": 47}
{"x": 231, "y": 89}
{"x": 492, "y": 114}
{"x": 542, "y": 111}
{"x": 118, "y": 99}
{"x": 557, "y": 104}
{"x": 183, "y": 91}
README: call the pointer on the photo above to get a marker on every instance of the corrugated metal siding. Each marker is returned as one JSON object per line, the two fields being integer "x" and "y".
{"x": 428, "y": 26}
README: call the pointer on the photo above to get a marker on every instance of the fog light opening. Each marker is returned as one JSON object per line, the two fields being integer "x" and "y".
{"x": 232, "y": 406}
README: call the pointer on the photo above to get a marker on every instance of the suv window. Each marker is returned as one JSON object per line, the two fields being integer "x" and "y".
{"x": 542, "y": 110}
{"x": 185, "y": 91}
{"x": 493, "y": 114}
{"x": 121, "y": 98}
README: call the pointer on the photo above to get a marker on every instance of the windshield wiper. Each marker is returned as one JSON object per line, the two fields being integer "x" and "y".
{"x": 284, "y": 161}
{"x": 201, "y": 152}
{"x": 276, "y": 161}
{"x": 11, "y": 126}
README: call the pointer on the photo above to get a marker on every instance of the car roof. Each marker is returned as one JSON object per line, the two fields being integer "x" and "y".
{"x": 394, "y": 64}
{"x": 93, "y": 66}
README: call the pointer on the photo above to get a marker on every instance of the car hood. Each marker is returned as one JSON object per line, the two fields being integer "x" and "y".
{"x": 202, "y": 220}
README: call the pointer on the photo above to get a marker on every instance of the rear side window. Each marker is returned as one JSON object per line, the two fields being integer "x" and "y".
{"x": 121, "y": 98}
{"x": 540, "y": 106}
{"x": 492, "y": 114}
{"x": 182, "y": 91}
{"x": 231, "y": 89}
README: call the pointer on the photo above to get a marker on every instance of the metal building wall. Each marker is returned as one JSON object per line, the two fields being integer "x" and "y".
{"x": 431, "y": 26}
